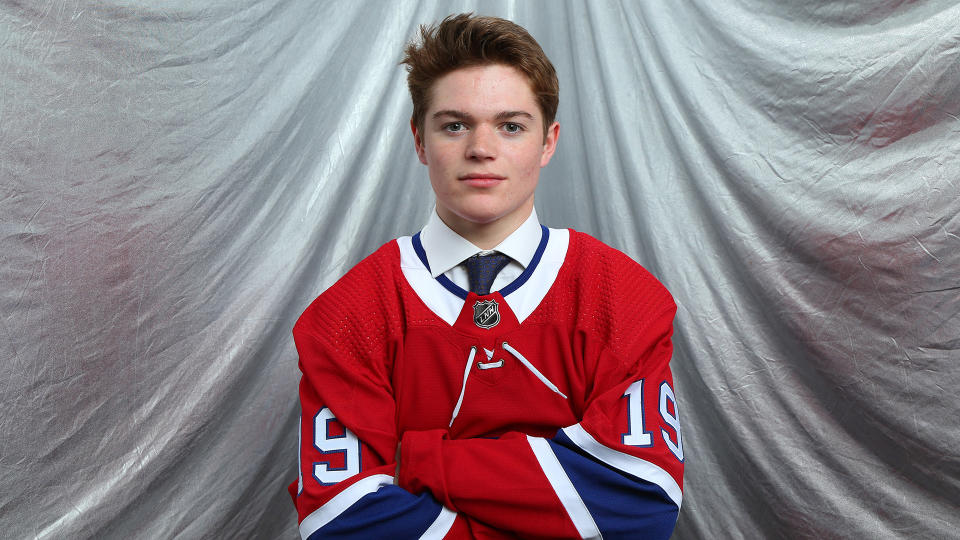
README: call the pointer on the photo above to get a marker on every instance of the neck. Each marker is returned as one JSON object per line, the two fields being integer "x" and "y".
{"x": 484, "y": 235}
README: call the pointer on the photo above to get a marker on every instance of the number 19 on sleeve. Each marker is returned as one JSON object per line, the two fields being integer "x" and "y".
{"x": 637, "y": 434}
{"x": 331, "y": 437}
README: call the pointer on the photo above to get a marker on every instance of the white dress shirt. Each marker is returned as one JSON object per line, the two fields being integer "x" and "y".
{"x": 446, "y": 251}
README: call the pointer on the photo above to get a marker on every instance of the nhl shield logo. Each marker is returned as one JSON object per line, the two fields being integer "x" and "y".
{"x": 486, "y": 314}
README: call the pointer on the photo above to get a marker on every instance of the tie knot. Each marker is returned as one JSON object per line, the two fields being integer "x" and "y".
{"x": 482, "y": 269}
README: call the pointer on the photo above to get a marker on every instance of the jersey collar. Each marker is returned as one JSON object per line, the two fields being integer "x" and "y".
{"x": 445, "y": 249}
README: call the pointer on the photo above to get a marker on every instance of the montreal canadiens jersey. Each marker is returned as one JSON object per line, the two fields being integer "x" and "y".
{"x": 543, "y": 410}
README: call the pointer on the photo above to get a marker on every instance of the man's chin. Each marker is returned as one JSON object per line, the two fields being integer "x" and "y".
{"x": 479, "y": 222}
{"x": 480, "y": 215}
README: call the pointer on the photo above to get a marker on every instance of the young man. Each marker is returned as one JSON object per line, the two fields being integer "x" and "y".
{"x": 450, "y": 392}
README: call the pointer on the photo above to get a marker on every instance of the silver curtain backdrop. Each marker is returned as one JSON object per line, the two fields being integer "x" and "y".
{"x": 181, "y": 178}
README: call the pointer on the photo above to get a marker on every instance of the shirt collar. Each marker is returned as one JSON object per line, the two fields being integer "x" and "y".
{"x": 446, "y": 249}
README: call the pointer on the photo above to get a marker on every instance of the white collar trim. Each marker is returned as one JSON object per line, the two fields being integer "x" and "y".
{"x": 522, "y": 301}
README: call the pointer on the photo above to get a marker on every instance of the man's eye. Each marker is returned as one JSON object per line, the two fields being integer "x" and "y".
{"x": 454, "y": 126}
{"x": 510, "y": 127}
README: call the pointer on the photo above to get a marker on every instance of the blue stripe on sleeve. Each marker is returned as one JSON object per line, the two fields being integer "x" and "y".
{"x": 390, "y": 512}
{"x": 622, "y": 505}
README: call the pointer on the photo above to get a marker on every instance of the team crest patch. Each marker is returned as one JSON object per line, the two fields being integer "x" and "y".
{"x": 486, "y": 313}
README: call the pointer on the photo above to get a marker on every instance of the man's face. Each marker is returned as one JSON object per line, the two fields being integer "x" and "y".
{"x": 483, "y": 143}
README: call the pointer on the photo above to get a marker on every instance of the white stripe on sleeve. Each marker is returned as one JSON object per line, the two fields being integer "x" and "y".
{"x": 632, "y": 465}
{"x": 563, "y": 487}
{"x": 341, "y": 501}
{"x": 440, "y": 526}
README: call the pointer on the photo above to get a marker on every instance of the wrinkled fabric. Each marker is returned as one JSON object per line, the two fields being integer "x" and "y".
{"x": 178, "y": 180}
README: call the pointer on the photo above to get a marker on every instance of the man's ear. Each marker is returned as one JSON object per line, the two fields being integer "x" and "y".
{"x": 549, "y": 143}
{"x": 418, "y": 142}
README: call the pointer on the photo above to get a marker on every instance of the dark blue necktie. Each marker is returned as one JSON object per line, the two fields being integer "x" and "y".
{"x": 482, "y": 269}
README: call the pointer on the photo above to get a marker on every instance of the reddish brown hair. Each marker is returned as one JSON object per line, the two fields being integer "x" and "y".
{"x": 465, "y": 40}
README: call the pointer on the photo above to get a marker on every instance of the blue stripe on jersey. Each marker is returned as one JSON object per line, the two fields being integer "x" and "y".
{"x": 514, "y": 285}
{"x": 528, "y": 271}
{"x": 418, "y": 249}
{"x": 442, "y": 279}
{"x": 390, "y": 512}
{"x": 622, "y": 505}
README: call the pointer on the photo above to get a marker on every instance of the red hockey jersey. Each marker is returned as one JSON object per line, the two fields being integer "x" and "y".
{"x": 545, "y": 409}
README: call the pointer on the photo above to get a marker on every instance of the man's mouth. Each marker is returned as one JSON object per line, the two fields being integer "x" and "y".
{"x": 482, "y": 179}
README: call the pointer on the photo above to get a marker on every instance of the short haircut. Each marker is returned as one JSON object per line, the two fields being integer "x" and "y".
{"x": 465, "y": 40}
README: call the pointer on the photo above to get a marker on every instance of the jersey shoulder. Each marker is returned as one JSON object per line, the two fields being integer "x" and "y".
{"x": 614, "y": 272}
{"x": 616, "y": 296}
{"x": 360, "y": 305}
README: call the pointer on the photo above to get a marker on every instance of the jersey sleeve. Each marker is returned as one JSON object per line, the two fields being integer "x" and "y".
{"x": 348, "y": 441}
{"x": 615, "y": 474}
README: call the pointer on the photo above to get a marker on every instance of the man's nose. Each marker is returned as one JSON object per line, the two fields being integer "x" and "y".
{"x": 482, "y": 143}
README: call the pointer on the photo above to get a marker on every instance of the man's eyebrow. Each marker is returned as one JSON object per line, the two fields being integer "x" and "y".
{"x": 460, "y": 115}
{"x": 506, "y": 115}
